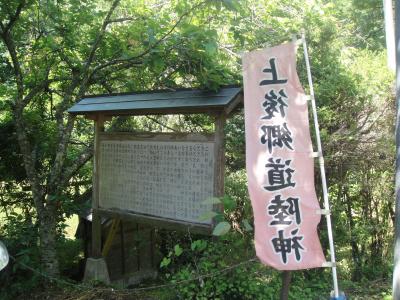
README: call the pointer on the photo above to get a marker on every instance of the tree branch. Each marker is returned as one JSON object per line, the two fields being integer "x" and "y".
{"x": 10, "y": 45}
{"x": 185, "y": 14}
{"x": 120, "y": 20}
{"x": 83, "y": 158}
{"x": 59, "y": 159}
{"x": 65, "y": 131}
{"x": 148, "y": 50}
{"x": 36, "y": 90}
{"x": 23, "y": 141}
{"x": 119, "y": 64}
{"x": 14, "y": 17}
{"x": 95, "y": 46}
{"x": 162, "y": 124}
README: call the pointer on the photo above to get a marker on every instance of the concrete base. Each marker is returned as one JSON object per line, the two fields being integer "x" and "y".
{"x": 96, "y": 269}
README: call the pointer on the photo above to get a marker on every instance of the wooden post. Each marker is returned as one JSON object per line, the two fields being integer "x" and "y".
{"x": 96, "y": 219}
{"x": 286, "y": 278}
{"x": 123, "y": 256}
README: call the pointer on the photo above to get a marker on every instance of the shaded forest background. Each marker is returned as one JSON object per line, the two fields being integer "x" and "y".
{"x": 52, "y": 52}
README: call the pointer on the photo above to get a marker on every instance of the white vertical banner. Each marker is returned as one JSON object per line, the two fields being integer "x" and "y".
{"x": 279, "y": 161}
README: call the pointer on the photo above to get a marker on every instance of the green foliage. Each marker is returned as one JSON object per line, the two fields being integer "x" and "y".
{"x": 221, "y": 228}
{"x": 177, "y": 250}
{"x": 165, "y": 262}
{"x": 174, "y": 44}
{"x": 198, "y": 245}
{"x": 221, "y": 270}
{"x": 20, "y": 237}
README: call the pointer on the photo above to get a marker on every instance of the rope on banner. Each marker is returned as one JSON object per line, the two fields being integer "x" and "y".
{"x": 322, "y": 169}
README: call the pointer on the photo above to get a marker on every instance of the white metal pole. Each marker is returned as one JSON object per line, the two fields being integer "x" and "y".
{"x": 396, "y": 269}
{"x": 322, "y": 169}
{"x": 389, "y": 33}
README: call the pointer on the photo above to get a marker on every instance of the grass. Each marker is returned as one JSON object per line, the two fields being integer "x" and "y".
{"x": 372, "y": 290}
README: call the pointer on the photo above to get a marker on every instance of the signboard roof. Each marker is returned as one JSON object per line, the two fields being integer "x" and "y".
{"x": 160, "y": 102}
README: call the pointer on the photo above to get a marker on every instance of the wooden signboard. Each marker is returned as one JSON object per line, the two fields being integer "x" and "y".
{"x": 165, "y": 177}
{"x": 156, "y": 179}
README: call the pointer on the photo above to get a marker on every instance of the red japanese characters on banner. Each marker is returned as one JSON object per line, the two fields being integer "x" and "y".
{"x": 279, "y": 161}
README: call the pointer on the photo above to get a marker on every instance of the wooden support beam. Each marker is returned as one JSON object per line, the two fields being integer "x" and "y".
{"x": 159, "y": 136}
{"x": 154, "y": 221}
{"x": 95, "y": 117}
{"x": 122, "y": 240}
{"x": 96, "y": 220}
{"x": 110, "y": 237}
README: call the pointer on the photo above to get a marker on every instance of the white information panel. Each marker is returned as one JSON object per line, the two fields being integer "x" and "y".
{"x": 168, "y": 179}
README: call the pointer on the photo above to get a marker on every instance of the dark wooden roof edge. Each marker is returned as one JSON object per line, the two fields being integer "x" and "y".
{"x": 230, "y": 104}
{"x": 162, "y": 91}
{"x": 237, "y": 101}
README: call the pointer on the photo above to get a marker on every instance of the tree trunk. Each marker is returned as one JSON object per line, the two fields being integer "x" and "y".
{"x": 355, "y": 252}
{"x": 48, "y": 239}
{"x": 60, "y": 173}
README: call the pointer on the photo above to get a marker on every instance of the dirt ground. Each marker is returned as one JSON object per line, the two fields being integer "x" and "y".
{"x": 107, "y": 295}
{"x": 60, "y": 294}
{"x": 375, "y": 290}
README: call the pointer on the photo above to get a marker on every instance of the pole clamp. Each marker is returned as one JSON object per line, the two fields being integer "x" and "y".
{"x": 329, "y": 264}
{"x": 315, "y": 154}
{"x": 323, "y": 212}
{"x": 297, "y": 41}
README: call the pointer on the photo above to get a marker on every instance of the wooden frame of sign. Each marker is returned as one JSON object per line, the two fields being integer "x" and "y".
{"x": 117, "y": 179}
{"x": 101, "y": 137}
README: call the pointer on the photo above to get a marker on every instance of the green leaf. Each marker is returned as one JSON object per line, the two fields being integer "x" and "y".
{"x": 198, "y": 245}
{"x": 165, "y": 262}
{"x": 210, "y": 48}
{"x": 230, "y": 4}
{"x": 52, "y": 197}
{"x": 221, "y": 229}
{"x": 158, "y": 63}
{"x": 247, "y": 225}
{"x": 219, "y": 218}
{"x": 229, "y": 203}
{"x": 178, "y": 250}
{"x": 208, "y": 215}
{"x": 151, "y": 35}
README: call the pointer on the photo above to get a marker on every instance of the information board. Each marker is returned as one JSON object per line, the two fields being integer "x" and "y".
{"x": 167, "y": 179}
